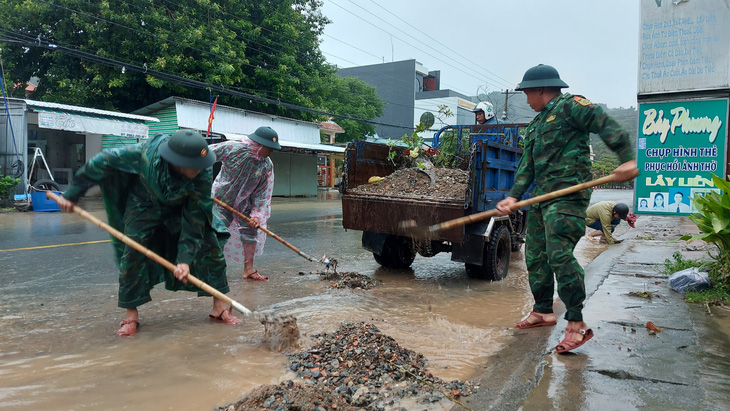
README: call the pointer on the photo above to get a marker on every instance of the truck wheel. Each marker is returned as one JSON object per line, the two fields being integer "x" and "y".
{"x": 398, "y": 252}
{"x": 495, "y": 264}
{"x": 520, "y": 221}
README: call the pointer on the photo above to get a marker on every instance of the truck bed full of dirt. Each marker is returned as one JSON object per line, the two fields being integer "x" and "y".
{"x": 414, "y": 183}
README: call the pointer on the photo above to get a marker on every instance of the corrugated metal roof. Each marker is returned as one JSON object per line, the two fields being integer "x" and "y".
{"x": 293, "y": 144}
{"x": 171, "y": 101}
{"x": 86, "y": 110}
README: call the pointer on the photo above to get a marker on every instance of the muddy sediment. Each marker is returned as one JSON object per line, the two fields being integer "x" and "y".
{"x": 416, "y": 183}
{"x": 354, "y": 367}
{"x": 349, "y": 280}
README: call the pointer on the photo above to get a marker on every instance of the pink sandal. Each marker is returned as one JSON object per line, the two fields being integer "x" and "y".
{"x": 568, "y": 345}
{"x": 540, "y": 322}
{"x": 229, "y": 319}
{"x": 128, "y": 329}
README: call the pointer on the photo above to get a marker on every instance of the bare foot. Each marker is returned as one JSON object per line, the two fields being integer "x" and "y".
{"x": 254, "y": 275}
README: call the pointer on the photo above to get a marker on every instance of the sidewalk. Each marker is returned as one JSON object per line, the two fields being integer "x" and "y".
{"x": 624, "y": 367}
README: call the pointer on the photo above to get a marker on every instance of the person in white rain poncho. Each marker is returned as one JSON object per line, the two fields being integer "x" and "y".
{"x": 246, "y": 183}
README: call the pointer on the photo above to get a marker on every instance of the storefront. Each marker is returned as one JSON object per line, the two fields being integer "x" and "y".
{"x": 41, "y": 141}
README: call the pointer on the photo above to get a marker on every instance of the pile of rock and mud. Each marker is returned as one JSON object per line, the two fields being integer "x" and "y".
{"x": 349, "y": 280}
{"x": 354, "y": 367}
{"x": 414, "y": 182}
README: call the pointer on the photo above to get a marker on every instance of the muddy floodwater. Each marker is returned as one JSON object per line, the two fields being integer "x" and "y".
{"x": 59, "y": 314}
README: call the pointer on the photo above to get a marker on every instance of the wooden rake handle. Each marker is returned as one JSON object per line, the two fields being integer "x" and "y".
{"x": 279, "y": 239}
{"x": 533, "y": 200}
{"x": 152, "y": 255}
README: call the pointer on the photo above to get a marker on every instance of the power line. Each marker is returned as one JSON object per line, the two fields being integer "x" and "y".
{"x": 298, "y": 79}
{"x": 387, "y": 32}
{"x": 186, "y": 81}
{"x": 440, "y": 43}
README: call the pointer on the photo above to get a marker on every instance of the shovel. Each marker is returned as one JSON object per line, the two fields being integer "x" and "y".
{"x": 263, "y": 318}
{"x": 279, "y": 239}
{"x": 412, "y": 229}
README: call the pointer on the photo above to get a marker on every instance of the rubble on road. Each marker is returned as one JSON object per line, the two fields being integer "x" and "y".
{"x": 354, "y": 367}
{"x": 416, "y": 183}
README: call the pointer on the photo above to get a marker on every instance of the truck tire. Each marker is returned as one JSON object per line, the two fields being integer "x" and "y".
{"x": 495, "y": 264}
{"x": 398, "y": 252}
{"x": 519, "y": 237}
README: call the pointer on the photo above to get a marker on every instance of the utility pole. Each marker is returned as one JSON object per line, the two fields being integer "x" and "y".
{"x": 506, "y": 97}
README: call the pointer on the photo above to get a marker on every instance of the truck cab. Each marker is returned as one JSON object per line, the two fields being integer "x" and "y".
{"x": 487, "y": 154}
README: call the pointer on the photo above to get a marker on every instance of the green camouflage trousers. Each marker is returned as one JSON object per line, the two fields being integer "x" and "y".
{"x": 157, "y": 227}
{"x": 553, "y": 230}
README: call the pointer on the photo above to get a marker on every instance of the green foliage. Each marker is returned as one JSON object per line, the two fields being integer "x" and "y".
{"x": 679, "y": 263}
{"x": 352, "y": 97}
{"x": 7, "y": 185}
{"x": 267, "y": 48}
{"x": 713, "y": 220}
{"x": 719, "y": 294}
{"x": 713, "y": 216}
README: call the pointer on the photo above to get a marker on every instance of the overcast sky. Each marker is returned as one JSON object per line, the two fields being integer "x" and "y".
{"x": 489, "y": 44}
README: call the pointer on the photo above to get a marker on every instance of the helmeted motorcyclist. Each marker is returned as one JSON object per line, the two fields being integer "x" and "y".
{"x": 484, "y": 113}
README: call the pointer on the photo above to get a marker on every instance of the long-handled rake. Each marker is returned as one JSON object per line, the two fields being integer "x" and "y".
{"x": 274, "y": 324}
{"x": 412, "y": 229}
{"x": 268, "y": 232}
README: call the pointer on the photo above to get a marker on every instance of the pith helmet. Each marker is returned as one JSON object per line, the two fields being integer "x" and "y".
{"x": 622, "y": 210}
{"x": 541, "y": 75}
{"x": 186, "y": 148}
{"x": 266, "y": 136}
{"x": 487, "y": 108}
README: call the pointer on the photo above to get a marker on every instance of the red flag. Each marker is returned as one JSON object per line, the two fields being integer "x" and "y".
{"x": 210, "y": 119}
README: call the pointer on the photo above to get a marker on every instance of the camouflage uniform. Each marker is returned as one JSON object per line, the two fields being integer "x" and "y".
{"x": 165, "y": 212}
{"x": 556, "y": 156}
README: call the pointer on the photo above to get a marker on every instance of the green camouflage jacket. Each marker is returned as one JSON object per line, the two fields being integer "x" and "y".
{"x": 138, "y": 171}
{"x": 557, "y": 153}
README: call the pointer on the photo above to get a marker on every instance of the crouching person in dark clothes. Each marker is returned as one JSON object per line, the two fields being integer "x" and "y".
{"x": 158, "y": 194}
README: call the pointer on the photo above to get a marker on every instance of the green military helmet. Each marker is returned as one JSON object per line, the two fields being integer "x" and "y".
{"x": 541, "y": 75}
{"x": 266, "y": 136}
{"x": 188, "y": 149}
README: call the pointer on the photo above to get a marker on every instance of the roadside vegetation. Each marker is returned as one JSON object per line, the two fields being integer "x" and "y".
{"x": 713, "y": 221}
{"x": 123, "y": 55}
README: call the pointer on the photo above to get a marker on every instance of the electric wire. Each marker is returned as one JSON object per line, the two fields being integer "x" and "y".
{"x": 196, "y": 83}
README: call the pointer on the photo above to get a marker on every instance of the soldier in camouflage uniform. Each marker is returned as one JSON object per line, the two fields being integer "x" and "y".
{"x": 556, "y": 156}
{"x": 158, "y": 194}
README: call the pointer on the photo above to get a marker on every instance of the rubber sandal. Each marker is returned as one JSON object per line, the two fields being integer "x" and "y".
{"x": 256, "y": 276}
{"x": 127, "y": 328}
{"x": 568, "y": 345}
{"x": 540, "y": 323}
{"x": 230, "y": 319}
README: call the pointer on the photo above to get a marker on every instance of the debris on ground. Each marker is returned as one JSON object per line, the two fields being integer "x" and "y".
{"x": 651, "y": 327}
{"x": 369, "y": 369}
{"x": 290, "y": 395}
{"x": 354, "y": 367}
{"x": 349, "y": 280}
{"x": 642, "y": 294}
{"x": 413, "y": 182}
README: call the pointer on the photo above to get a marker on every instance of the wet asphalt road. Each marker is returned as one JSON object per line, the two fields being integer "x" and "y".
{"x": 61, "y": 259}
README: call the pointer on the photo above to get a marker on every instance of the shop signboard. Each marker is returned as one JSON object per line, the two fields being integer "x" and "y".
{"x": 684, "y": 46}
{"x": 681, "y": 144}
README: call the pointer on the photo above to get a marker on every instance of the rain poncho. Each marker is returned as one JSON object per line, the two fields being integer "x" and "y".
{"x": 164, "y": 211}
{"x": 245, "y": 182}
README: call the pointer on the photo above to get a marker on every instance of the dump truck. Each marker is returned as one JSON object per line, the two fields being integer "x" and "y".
{"x": 487, "y": 154}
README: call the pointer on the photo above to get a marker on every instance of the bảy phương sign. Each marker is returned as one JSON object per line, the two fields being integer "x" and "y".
{"x": 681, "y": 145}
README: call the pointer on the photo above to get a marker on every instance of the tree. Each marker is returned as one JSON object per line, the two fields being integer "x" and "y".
{"x": 265, "y": 48}
{"x": 349, "y": 96}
